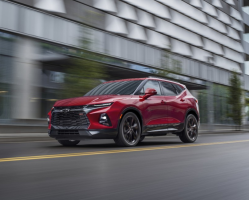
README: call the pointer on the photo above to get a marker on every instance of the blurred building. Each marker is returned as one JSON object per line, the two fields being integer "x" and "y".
{"x": 197, "y": 42}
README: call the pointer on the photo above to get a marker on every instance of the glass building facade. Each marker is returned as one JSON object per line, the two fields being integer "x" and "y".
{"x": 196, "y": 42}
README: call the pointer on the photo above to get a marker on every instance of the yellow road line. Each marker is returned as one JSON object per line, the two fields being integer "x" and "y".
{"x": 127, "y": 150}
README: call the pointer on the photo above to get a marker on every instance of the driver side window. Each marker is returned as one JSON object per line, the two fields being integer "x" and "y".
{"x": 151, "y": 84}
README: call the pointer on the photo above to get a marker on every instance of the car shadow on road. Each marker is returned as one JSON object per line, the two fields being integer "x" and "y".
{"x": 112, "y": 145}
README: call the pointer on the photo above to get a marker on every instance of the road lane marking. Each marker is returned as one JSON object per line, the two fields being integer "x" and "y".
{"x": 127, "y": 150}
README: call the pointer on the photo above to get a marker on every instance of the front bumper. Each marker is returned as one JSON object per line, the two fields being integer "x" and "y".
{"x": 80, "y": 134}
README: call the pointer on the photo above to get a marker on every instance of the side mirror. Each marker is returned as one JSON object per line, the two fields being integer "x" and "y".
{"x": 149, "y": 92}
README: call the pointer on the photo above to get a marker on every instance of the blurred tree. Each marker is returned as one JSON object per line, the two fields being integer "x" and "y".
{"x": 235, "y": 99}
{"x": 169, "y": 64}
{"x": 83, "y": 74}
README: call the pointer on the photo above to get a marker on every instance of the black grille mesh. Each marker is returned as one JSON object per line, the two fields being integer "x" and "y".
{"x": 68, "y": 132}
{"x": 71, "y": 118}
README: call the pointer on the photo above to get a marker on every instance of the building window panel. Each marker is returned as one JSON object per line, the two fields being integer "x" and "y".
{"x": 158, "y": 40}
{"x": 247, "y": 71}
{"x": 149, "y": 55}
{"x": 9, "y": 16}
{"x": 237, "y": 46}
{"x": 178, "y": 32}
{"x": 152, "y": 7}
{"x": 212, "y": 46}
{"x": 209, "y": 9}
{"x": 235, "y": 13}
{"x": 60, "y": 30}
{"x": 233, "y": 55}
{"x": 51, "y": 5}
{"x": 237, "y": 25}
{"x": 233, "y": 33}
{"x": 217, "y": 3}
{"x": 196, "y": 3}
{"x": 33, "y": 22}
{"x": 186, "y": 22}
{"x": 73, "y": 33}
{"x": 230, "y": 2}
{"x": 105, "y": 5}
{"x": 180, "y": 47}
{"x": 217, "y": 25}
{"x": 136, "y": 32}
{"x": 145, "y": 19}
{"x": 49, "y": 27}
{"x": 222, "y": 39}
{"x": 200, "y": 54}
{"x": 115, "y": 25}
{"x": 227, "y": 64}
{"x": 186, "y": 9}
{"x": 126, "y": 11}
{"x": 224, "y": 17}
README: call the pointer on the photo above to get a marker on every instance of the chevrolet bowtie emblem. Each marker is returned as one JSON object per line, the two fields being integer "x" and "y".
{"x": 65, "y": 110}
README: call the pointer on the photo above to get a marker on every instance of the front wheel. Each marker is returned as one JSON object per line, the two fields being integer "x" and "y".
{"x": 69, "y": 143}
{"x": 190, "y": 132}
{"x": 129, "y": 130}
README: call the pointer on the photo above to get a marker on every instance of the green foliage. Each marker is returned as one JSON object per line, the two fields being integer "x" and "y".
{"x": 235, "y": 99}
{"x": 83, "y": 74}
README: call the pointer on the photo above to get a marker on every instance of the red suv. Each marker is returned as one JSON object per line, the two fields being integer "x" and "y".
{"x": 126, "y": 111}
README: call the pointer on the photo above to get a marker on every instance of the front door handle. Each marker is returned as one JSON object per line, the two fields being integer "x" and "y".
{"x": 182, "y": 100}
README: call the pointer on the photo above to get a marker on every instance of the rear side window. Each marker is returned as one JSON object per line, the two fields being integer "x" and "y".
{"x": 152, "y": 85}
{"x": 168, "y": 89}
{"x": 179, "y": 89}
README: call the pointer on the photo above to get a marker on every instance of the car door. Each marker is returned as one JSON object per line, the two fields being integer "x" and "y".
{"x": 154, "y": 108}
{"x": 175, "y": 105}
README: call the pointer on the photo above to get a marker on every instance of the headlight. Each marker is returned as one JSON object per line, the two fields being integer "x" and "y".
{"x": 89, "y": 108}
{"x": 100, "y": 105}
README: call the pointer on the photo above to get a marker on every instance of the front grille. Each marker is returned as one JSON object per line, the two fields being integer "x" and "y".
{"x": 71, "y": 118}
{"x": 68, "y": 132}
{"x": 68, "y": 107}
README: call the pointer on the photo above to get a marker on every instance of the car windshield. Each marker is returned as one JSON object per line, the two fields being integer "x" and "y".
{"x": 116, "y": 88}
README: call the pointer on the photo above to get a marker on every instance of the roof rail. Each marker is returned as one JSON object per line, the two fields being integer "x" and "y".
{"x": 165, "y": 79}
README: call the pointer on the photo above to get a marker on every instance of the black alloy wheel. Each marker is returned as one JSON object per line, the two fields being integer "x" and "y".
{"x": 190, "y": 132}
{"x": 129, "y": 130}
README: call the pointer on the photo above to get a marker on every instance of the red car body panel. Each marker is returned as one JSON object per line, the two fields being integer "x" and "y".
{"x": 155, "y": 111}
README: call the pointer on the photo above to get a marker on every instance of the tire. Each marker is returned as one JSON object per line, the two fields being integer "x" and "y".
{"x": 141, "y": 138}
{"x": 69, "y": 143}
{"x": 190, "y": 132}
{"x": 129, "y": 131}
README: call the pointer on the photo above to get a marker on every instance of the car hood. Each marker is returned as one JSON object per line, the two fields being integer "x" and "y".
{"x": 79, "y": 101}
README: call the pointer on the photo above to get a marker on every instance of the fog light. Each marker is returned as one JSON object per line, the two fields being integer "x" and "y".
{"x": 104, "y": 119}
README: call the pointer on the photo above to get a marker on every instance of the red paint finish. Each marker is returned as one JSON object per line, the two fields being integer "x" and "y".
{"x": 154, "y": 110}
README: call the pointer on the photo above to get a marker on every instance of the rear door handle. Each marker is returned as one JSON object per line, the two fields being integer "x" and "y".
{"x": 182, "y": 100}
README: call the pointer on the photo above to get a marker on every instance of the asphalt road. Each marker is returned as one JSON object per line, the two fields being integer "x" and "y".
{"x": 215, "y": 167}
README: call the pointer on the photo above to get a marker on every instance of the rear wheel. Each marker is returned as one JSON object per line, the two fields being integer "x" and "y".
{"x": 69, "y": 143}
{"x": 129, "y": 131}
{"x": 190, "y": 132}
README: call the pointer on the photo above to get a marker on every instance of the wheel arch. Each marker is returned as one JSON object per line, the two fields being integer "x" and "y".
{"x": 188, "y": 112}
{"x": 193, "y": 112}
{"x": 134, "y": 110}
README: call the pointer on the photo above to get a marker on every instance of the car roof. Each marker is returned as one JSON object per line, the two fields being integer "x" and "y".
{"x": 147, "y": 78}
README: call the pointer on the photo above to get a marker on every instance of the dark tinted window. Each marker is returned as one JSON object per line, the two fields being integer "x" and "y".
{"x": 120, "y": 87}
{"x": 151, "y": 84}
{"x": 168, "y": 89}
{"x": 179, "y": 89}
